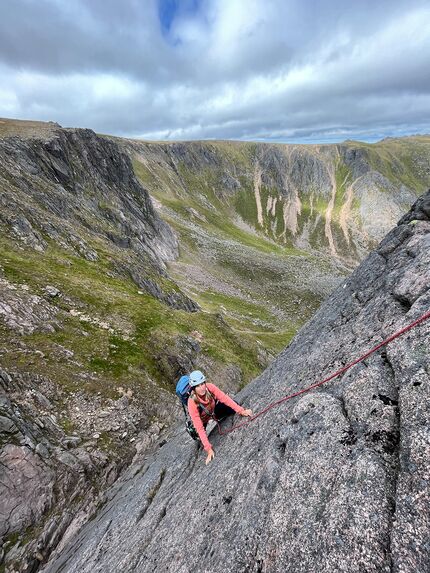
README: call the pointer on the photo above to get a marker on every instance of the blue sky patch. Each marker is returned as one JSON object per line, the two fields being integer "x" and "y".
{"x": 169, "y": 9}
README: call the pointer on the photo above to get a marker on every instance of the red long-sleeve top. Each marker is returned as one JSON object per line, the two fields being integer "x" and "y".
{"x": 201, "y": 418}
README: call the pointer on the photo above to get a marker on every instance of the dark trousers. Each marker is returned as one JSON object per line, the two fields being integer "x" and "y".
{"x": 222, "y": 411}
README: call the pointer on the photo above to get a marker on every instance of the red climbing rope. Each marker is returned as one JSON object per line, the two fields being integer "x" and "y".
{"x": 338, "y": 373}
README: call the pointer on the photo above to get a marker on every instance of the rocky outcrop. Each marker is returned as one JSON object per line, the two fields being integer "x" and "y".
{"x": 334, "y": 480}
{"x": 24, "y": 312}
{"x": 420, "y": 211}
{"x": 53, "y": 481}
{"x": 74, "y": 189}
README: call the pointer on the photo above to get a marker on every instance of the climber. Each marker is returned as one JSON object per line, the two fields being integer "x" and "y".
{"x": 207, "y": 402}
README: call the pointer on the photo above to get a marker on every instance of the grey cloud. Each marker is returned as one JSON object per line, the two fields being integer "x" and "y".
{"x": 295, "y": 69}
{"x": 125, "y": 37}
{"x": 66, "y": 37}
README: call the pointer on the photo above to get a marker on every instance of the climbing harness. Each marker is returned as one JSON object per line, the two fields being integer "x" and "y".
{"x": 338, "y": 373}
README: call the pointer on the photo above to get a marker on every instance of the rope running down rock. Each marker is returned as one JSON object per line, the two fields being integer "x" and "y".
{"x": 338, "y": 373}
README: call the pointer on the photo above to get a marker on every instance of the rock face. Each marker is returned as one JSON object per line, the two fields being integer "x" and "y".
{"x": 50, "y": 481}
{"x": 339, "y": 200}
{"x": 75, "y": 189}
{"x": 335, "y": 480}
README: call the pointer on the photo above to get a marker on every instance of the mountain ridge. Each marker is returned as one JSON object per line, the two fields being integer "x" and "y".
{"x": 299, "y": 183}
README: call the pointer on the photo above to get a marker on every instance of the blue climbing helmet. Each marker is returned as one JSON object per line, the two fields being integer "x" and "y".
{"x": 196, "y": 378}
{"x": 186, "y": 383}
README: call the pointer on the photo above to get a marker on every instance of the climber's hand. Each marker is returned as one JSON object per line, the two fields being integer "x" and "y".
{"x": 246, "y": 413}
{"x": 211, "y": 455}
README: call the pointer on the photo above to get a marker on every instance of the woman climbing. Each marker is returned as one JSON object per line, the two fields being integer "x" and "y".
{"x": 208, "y": 402}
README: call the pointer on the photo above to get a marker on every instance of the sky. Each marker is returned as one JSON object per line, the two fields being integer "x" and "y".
{"x": 262, "y": 70}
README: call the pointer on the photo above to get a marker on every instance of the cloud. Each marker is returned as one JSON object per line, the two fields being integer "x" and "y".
{"x": 242, "y": 69}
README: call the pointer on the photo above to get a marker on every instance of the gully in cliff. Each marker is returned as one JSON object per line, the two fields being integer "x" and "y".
{"x": 204, "y": 401}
